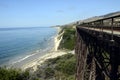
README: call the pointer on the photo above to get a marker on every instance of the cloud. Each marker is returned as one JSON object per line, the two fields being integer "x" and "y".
{"x": 60, "y": 11}
{"x": 72, "y": 8}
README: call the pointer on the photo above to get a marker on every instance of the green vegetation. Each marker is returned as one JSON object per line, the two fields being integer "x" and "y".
{"x": 49, "y": 72}
{"x": 68, "y": 40}
{"x": 66, "y": 65}
{"x": 60, "y": 68}
{"x": 13, "y": 74}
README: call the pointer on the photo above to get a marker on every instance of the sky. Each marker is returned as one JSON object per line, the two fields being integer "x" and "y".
{"x": 34, "y": 13}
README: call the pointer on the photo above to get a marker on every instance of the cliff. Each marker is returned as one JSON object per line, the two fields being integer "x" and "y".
{"x": 53, "y": 67}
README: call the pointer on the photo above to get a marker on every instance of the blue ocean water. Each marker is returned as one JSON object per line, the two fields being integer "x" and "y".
{"x": 18, "y": 43}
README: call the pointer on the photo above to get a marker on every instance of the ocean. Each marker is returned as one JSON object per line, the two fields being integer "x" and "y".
{"x": 18, "y": 44}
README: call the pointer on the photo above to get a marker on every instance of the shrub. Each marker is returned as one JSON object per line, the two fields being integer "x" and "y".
{"x": 67, "y": 66}
{"x": 68, "y": 40}
{"x": 13, "y": 74}
{"x": 49, "y": 72}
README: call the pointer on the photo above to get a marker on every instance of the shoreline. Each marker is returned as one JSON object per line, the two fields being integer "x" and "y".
{"x": 51, "y": 54}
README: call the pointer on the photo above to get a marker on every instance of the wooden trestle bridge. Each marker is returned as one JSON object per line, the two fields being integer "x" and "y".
{"x": 98, "y": 49}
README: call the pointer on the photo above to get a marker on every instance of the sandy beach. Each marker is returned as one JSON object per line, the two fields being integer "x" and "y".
{"x": 35, "y": 61}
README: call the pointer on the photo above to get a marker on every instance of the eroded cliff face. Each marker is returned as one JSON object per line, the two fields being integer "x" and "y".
{"x": 61, "y": 67}
{"x": 68, "y": 39}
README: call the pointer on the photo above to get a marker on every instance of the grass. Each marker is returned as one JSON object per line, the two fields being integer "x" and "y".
{"x": 68, "y": 40}
{"x": 13, "y": 74}
{"x": 63, "y": 66}
{"x": 66, "y": 66}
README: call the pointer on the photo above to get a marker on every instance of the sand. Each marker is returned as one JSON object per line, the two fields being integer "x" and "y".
{"x": 52, "y": 54}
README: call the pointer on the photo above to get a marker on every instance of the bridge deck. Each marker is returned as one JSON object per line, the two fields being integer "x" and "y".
{"x": 104, "y": 30}
{"x": 98, "y": 41}
{"x": 102, "y": 47}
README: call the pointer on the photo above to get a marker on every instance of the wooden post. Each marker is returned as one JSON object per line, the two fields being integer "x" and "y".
{"x": 112, "y": 28}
